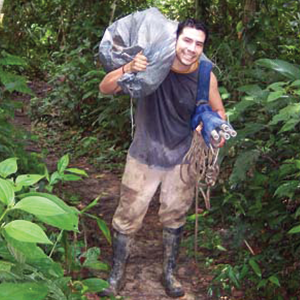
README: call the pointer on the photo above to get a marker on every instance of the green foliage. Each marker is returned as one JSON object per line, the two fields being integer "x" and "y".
{"x": 75, "y": 86}
{"x": 284, "y": 68}
{"x": 8, "y": 78}
{"x": 258, "y": 198}
{"x": 25, "y": 291}
{"x": 26, "y": 269}
{"x": 101, "y": 224}
{"x": 243, "y": 164}
{"x": 12, "y": 140}
{"x": 264, "y": 183}
{"x": 63, "y": 173}
{"x": 176, "y": 10}
{"x": 50, "y": 26}
{"x": 19, "y": 236}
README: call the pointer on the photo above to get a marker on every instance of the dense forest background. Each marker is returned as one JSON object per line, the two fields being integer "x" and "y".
{"x": 254, "y": 223}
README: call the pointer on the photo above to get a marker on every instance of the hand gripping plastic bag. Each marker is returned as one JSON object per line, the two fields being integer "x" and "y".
{"x": 148, "y": 31}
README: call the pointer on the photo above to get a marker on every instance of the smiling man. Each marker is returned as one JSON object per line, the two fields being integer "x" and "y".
{"x": 163, "y": 136}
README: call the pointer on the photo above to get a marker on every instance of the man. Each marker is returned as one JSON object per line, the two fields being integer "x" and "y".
{"x": 163, "y": 136}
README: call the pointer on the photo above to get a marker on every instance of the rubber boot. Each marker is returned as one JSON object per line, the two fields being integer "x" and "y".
{"x": 171, "y": 243}
{"x": 121, "y": 249}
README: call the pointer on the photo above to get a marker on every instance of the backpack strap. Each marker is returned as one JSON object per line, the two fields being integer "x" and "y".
{"x": 203, "y": 82}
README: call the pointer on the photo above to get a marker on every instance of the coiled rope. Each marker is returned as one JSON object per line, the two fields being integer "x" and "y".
{"x": 200, "y": 166}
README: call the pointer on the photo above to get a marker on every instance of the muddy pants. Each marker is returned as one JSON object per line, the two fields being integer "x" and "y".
{"x": 139, "y": 183}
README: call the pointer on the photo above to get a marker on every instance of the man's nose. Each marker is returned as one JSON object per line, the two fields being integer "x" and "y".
{"x": 192, "y": 47}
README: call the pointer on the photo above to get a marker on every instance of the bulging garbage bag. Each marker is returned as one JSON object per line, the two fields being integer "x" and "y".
{"x": 148, "y": 31}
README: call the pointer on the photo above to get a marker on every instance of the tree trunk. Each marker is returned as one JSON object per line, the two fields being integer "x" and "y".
{"x": 197, "y": 9}
{"x": 249, "y": 11}
{"x": 250, "y": 7}
{"x": 201, "y": 10}
{"x": 1, "y": 5}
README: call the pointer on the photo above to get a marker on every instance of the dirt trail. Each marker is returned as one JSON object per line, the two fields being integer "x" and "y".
{"x": 144, "y": 267}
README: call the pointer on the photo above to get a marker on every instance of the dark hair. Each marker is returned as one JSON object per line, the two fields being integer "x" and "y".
{"x": 193, "y": 24}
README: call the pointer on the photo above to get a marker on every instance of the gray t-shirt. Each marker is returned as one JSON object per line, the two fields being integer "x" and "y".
{"x": 163, "y": 132}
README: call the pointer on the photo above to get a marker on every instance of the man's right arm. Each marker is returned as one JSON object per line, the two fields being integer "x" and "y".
{"x": 109, "y": 84}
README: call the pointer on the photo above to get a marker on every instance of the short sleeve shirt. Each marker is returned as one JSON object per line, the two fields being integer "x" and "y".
{"x": 163, "y": 133}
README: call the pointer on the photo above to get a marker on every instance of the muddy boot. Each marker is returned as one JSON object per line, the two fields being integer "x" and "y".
{"x": 171, "y": 243}
{"x": 121, "y": 246}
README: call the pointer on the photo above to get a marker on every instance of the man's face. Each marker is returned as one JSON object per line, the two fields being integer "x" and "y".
{"x": 189, "y": 46}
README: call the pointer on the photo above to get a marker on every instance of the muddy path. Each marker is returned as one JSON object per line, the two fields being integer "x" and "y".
{"x": 145, "y": 264}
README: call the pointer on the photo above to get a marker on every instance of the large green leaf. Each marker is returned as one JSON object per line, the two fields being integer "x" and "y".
{"x": 5, "y": 266}
{"x": 275, "y": 95}
{"x": 242, "y": 165}
{"x": 68, "y": 221}
{"x": 13, "y": 82}
{"x": 297, "y": 214}
{"x": 19, "y": 86}
{"x": 39, "y": 206}
{"x": 296, "y": 83}
{"x": 77, "y": 171}
{"x": 23, "y": 291}
{"x": 4, "y": 253}
{"x": 262, "y": 283}
{"x": 94, "y": 285}
{"x": 289, "y": 125}
{"x": 277, "y": 86}
{"x": 294, "y": 230}
{"x": 58, "y": 286}
{"x": 288, "y": 167}
{"x": 91, "y": 259}
{"x": 250, "y": 89}
{"x": 90, "y": 205}
{"x": 255, "y": 267}
{"x": 104, "y": 228}
{"x": 254, "y": 98}
{"x": 286, "y": 69}
{"x": 233, "y": 277}
{"x": 25, "y": 231}
{"x": 63, "y": 163}
{"x": 48, "y": 266}
{"x": 70, "y": 177}
{"x": 7, "y": 194}
{"x": 9, "y": 59}
{"x": 30, "y": 253}
{"x": 287, "y": 189}
{"x": 54, "y": 178}
{"x": 24, "y": 251}
{"x": 285, "y": 114}
{"x": 240, "y": 107}
{"x": 8, "y": 167}
{"x": 250, "y": 130}
{"x": 274, "y": 279}
{"x": 28, "y": 179}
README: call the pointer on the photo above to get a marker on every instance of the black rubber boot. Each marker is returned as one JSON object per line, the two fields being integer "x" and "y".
{"x": 171, "y": 243}
{"x": 121, "y": 249}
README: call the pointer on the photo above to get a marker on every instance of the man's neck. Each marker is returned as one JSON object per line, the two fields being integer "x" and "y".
{"x": 180, "y": 68}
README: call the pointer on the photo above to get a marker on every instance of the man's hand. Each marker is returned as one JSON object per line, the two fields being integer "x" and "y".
{"x": 138, "y": 64}
{"x": 222, "y": 143}
{"x": 109, "y": 84}
{"x": 219, "y": 144}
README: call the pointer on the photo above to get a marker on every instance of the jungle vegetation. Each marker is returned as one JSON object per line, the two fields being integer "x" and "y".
{"x": 254, "y": 222}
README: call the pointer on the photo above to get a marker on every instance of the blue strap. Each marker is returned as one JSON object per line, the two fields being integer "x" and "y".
{"x": 203, "y": 81}
{"x": 203, "y": 111}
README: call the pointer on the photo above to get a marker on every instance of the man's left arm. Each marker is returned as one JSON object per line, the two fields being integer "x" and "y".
{"x": 215, "y": 100}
